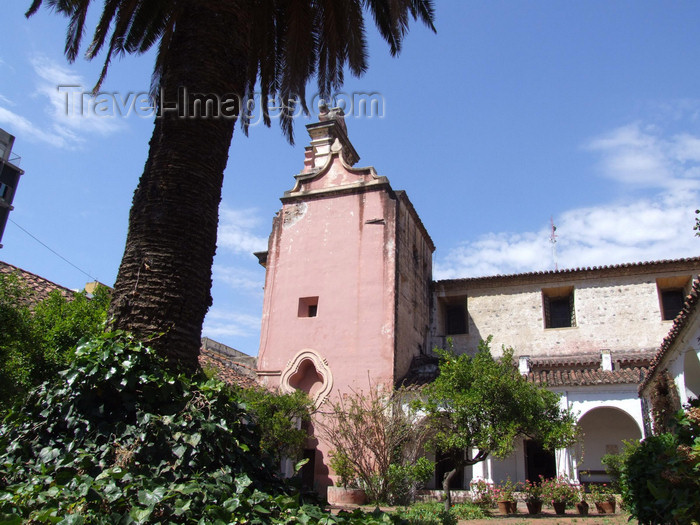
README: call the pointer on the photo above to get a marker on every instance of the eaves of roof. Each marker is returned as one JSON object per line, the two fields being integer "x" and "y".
{"x": 667, "y": 265}
{"x": 682, "y": 320}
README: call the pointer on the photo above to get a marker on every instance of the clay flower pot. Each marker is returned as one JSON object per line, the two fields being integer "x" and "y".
{"x": 344, "y": 496}
{"x": 606, "y": 507}
{"x": 507, "y": 506}
{"x": 582, "y": 508}
{"x": 534, "y": 506}
{"x": 559, "y": 507}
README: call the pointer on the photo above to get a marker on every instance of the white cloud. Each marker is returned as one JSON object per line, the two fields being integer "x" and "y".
{"x": 220, "y": 323}
{"x": 641, "y": 156}
{"x": 70, "y": 116}
{"x": 612, "y": 234}
{"x": 633, "y": 155}
{"x": 22, "y": 126}
{"x": 236, "y": 231}
{"x": 649, "y": 228}
{"x": 6, "y": 101}
{"x": 240, "y": 278}
{"x": 70, "y": 105}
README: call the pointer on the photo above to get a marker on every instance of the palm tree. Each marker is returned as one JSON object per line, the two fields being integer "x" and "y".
{"x": 223, "y": 48}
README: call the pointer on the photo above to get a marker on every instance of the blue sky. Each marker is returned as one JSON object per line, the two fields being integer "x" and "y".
{"x": 514, "y": 112}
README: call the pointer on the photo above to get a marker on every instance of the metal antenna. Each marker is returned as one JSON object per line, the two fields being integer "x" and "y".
{"x": 553, "y": 239}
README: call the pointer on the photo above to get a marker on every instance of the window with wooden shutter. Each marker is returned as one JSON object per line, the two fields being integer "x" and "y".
{"x": 558, "y": 306}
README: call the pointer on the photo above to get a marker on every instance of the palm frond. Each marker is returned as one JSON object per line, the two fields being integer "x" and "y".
{"x": 75, "y": 29}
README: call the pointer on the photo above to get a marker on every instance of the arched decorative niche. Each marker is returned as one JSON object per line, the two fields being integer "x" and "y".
{"x": 309, "y": 372}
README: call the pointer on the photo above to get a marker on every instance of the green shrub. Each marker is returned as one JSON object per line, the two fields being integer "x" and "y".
{"x": 404, "y": 480}
{"x": 428, "y": 513}
{"x": 660, "y": 478}
{"x": 343, "y": 468}
{"x": 277, "y": 415}
{"x": 38, "y": 337}
{"x": 378, "y": 436}
{"x": 468, "y": 511}
{"x": 119, "y": 438}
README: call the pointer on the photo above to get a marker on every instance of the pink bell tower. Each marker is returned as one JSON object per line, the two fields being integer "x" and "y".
{"x": 347, "y": 284}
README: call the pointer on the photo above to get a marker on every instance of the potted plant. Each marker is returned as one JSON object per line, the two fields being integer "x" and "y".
{"x": 531, "y": 493}
{"x": 603, "y": 497}
{"x": 482, "y": 493}
{"x": 560, "y": 493}
{"x": 505, "y": 497}
{"x": 582, "y": 505}
{"x": 345, "y": 490}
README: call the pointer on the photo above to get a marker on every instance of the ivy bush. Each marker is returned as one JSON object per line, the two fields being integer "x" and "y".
{"x": 120, "y": 438}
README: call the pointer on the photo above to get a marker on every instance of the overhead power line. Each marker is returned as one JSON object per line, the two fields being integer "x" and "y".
{"x": 53, "y": 251}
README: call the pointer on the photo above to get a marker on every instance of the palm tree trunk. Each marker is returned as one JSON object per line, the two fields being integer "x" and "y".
{"x": 162, "y": 292}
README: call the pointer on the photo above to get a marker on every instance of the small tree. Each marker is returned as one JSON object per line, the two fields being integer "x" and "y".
{"x": 484, "y": 404}
{"x": 379, "y": 437}
{"x": 281, "y": 418}
{"x": 37, "y": 338}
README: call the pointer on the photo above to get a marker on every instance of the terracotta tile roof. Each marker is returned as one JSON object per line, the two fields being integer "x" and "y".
{"x": 679, "y": 323}
{"x": 585, "y": 369}
{"x": 231, "y": 371}
{"x": 573, "y": 370}
{"x": 584, "y": 272}
{"x": 226, "y": 373}
{"x": 585, "y": 376}
{"x": 40, "y": 287}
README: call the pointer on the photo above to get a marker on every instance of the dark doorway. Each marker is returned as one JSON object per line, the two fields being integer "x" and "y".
{"x": 308, "y": 470}
{"x": 539, "y": 462}
{"x": 443, "y": 464}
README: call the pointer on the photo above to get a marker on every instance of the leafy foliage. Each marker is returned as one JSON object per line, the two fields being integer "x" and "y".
{"x": 660, "y": 478}
{"x": 615, "y": 463}
{"x": 15, "y": 338}
{"x": 38, "y": 337}
{"x": 281, "y": 418}
{"x": 482, "y": 403}
{"x": 429, "y": 513}
{"x": 378, "y": 437}
{"x": 121, "y": 439}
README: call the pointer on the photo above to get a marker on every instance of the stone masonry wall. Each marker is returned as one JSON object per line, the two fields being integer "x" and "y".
{"x": 414, "y": 268}
{"x": 621, "y": 313}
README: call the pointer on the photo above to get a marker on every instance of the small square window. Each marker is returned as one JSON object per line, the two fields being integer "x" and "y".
{"x": 455, "y": 315}
{"x": 558, "y": 304}
{"x": 672, "y": 291}
{"x": 308, "y": 307}
{"x": 671, "y": 304}
{"x": 456, "y": 320}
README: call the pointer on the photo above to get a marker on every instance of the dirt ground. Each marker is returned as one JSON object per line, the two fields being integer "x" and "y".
{"x": 547, "y": 517}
